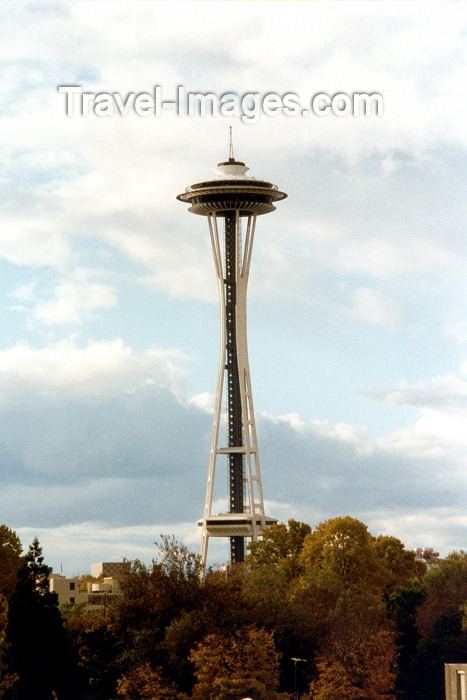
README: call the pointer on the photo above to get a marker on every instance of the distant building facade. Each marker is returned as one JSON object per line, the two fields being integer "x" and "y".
{"x": 99, "y": 593}
{"x": 115, "y": 569}
{"x": 95, "y": 594}
{"x": 455, "y": 679}
{"x": 67, "y": 589}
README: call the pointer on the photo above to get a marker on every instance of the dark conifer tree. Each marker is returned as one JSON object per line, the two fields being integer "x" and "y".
{"x": 10, "y": 559}
{"x": 38, "y": 653}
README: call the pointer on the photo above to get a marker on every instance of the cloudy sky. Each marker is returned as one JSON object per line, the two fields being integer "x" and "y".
{"x": 357, "y": 309}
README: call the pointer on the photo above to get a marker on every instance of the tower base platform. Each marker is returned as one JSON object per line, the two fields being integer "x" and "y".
{"x": 234, "y": 524}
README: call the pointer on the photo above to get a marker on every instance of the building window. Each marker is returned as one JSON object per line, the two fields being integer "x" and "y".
{"x": 72, "y": 600}
{"x": 72, "y": 586}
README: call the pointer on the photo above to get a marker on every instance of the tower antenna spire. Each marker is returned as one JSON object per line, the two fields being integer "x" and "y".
{"x": 231, "y": 151}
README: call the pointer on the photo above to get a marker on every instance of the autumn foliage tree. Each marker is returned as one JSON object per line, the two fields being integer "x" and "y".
{"x": 10, "y": 561}
{"x": 141, "y": 682}
{"x": 279, "y": 548}
{"x": 348, "y": 577}
{"x": 343, "y": 580}
{"x": 341, "y": 551}
{"x": 157, "y": 616}
{"x": 362, "y": 670}
{"x": 244, "y": 663}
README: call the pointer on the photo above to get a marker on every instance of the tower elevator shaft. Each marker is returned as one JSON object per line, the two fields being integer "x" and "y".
{"x": 232, "y": 242}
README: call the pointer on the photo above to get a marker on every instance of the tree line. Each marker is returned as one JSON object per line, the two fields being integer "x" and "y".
{"x": 316, "y": 614}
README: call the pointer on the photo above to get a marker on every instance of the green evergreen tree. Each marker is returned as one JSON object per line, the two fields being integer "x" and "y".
{"x": 402, "y": 608}
{"x": 446, "y": 643}
{"x": 38, "y": 650}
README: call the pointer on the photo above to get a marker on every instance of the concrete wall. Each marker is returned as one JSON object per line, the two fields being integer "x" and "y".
{"x": 108, "y": 568}
{"x": 67, "y": 589}
{"x": 455, "y": 677}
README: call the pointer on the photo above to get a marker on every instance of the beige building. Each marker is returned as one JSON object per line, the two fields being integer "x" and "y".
{"x": 67, "y": 589}
{"x": 99, "y": 593}
{"x": 109, "y": 568}
{"x": 94, "y": 593}
{"x": 455, "y": 681}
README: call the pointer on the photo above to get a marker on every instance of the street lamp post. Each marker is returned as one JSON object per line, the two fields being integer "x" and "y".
{"x": 296, "y": 661}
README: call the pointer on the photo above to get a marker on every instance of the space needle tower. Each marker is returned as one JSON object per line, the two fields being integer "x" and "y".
{"x": 231, "y": 201}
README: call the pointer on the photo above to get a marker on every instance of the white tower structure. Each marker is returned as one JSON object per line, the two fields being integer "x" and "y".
{"x": 236, "y": 199}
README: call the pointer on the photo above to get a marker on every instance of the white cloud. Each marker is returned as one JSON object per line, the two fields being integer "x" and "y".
{"x": 445, "y": 393}
{"x": 75, "y": 299}
{"x": 98, "y": 370}
{"x": 435, "y": 436}
{"x": 439, "y": 432}
{"x": 341, "y": 432}
{"x": 417, "y": 527}
{"x": 295, "y": 421}
{"x": 72, "y": 304}
{"x": 371, "y": 306}
{"x": 27, "y": 236}
{"x": 204, "y": 401}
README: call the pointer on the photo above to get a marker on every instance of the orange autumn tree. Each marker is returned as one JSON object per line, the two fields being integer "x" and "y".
{"x": 279, "y": 548}
{"x": 362, "y": 671}
{"x": 343, "y": 581}
{"x": 348, "y": 577}
{"x": 143, "y": 683}
{"x": 239, "y": 664}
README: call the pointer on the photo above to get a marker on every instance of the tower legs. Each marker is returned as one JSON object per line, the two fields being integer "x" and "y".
{"x": 245, "y": 517}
